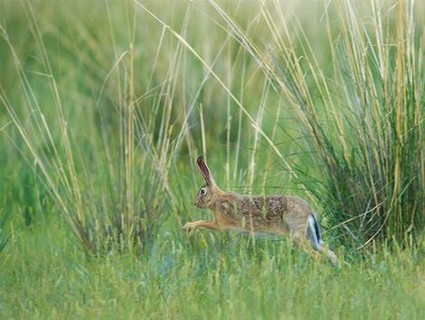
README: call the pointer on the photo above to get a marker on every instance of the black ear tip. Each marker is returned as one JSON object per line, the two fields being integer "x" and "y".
{"x": 200, "y": 159}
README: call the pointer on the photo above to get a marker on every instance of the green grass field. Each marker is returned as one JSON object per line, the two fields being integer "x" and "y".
{"x": 45, "y": 275}
{"x": 105, "y": 106}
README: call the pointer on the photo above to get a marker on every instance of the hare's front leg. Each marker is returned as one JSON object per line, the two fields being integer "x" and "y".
{"x": 201, "y": 224}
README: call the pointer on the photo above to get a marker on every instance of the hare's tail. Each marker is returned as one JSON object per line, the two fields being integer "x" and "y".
{"x": 313, "y": 232}
{"x": 315, "y": 237}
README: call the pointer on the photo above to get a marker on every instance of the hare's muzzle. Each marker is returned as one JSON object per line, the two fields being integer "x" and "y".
{"x": 198, "y": 203}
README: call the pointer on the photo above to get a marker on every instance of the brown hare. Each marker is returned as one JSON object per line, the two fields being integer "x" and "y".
{"x": 277, "y": 214}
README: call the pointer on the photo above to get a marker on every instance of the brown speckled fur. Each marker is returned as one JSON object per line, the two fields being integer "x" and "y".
{"x": 276, "y": 214}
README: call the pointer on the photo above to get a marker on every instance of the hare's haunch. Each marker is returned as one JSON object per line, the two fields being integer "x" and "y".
{"x": 278, "y": 214}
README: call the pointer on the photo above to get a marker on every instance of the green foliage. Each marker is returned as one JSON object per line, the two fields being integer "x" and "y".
{"x": 205, "y": 276}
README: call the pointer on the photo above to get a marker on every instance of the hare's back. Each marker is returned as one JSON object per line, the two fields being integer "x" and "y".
{"x": 274, "y": 206}
{"x": 273, "y": 214}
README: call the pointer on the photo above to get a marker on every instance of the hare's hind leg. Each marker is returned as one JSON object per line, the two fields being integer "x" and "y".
{"x": 330, "y": 254}
{"x": 304, "y": 244}
{"x": 201, "y": 224}
{"x": 317, "y": 254}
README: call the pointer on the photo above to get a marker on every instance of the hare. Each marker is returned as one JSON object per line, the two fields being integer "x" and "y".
{"x": 277, "y": 214}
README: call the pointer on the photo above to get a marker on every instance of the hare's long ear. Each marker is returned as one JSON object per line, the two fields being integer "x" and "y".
{"x": 205, "y": 172}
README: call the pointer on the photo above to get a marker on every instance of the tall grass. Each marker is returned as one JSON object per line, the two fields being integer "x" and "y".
{"x": 381, "y": 184}
{"x": 109, "y": 177}
{"x": 339, "y": 114}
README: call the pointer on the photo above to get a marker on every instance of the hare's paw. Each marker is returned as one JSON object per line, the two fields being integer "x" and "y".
{"x": 190, "y": 226}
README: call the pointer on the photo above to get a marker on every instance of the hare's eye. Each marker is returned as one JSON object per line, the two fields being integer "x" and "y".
{"x": 203, "y": 191}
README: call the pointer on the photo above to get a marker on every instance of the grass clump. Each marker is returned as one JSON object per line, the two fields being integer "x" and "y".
{"x": 377, "y": 171}
{"x": 106, "y": 177}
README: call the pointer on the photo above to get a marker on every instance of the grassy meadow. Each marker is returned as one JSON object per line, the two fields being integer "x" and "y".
{"x": 105, "y": 106}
